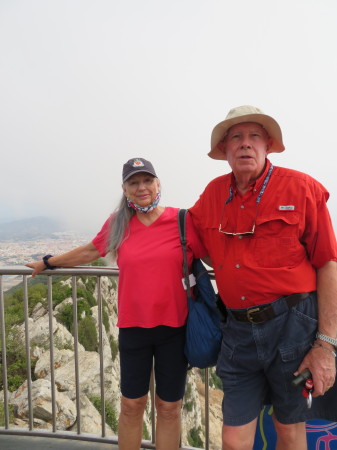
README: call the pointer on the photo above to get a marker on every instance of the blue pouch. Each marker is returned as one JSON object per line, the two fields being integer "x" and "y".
{"x": 203, "y": 333}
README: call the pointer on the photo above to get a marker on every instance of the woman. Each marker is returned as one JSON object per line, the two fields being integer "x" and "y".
{"x": 143, "y": 238}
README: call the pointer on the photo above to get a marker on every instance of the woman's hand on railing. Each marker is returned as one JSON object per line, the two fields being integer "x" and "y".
{"x": 37, "y": 266}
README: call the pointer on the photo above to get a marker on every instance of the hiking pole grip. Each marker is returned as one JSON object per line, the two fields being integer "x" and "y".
{"x": 301, "y": 378}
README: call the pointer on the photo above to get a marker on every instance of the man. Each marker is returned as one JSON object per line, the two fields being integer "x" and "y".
{"x": 273, "y": 249}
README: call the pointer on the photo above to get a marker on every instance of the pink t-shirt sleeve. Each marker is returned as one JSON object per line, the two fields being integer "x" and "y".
{"x": 100, "y": 241}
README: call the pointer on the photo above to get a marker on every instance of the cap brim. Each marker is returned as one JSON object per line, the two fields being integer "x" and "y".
{"x": 129, "y": 175}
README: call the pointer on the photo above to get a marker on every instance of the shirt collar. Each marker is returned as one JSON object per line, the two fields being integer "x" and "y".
{"x": 257, "y": 185}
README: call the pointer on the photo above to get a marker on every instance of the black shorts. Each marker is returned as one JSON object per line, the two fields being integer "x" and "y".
{"x": 162, "y": 346}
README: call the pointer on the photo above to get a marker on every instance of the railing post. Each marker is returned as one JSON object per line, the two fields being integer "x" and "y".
{"x": 101, "y": 355}
{"x": 207, "y": 409}
{"x": 4, "y": 353}
{"x": 77, "y": 372}
{"x": 27, "y": 342}
{"x": 51, "y": 350}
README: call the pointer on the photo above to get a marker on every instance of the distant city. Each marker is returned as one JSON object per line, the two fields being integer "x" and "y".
{"x": 29, "y": 240}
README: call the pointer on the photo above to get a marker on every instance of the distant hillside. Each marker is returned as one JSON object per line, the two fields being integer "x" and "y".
{"x": 31, "y": 228}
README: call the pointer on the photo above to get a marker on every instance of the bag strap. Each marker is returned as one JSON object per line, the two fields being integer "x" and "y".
{"x": 182, "y": 232}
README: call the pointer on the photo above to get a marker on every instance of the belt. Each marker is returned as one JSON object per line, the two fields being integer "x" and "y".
{"x": 262, "y": 314}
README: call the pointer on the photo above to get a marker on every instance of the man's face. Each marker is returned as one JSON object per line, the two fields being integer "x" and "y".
{"x": 246, "y": 146}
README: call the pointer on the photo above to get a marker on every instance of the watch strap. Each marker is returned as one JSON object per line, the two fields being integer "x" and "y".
{"x": 46, "y": 263}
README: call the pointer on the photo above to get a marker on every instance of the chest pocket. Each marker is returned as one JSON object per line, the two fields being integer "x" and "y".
{"x": 276, "y": 241}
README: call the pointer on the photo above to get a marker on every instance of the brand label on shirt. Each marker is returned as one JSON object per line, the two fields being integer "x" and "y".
{"x": 192, "y": 281}
{"x": 286, "y": 208}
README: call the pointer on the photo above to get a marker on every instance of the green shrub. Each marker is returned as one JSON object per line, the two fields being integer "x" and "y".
{"x": 87, "y": 334}
{"x": 87, "y": 295}
{"x": 66, "y": 316}
{"x": 188, "y": 399}
{"x": 194, "y": 438}
{"x": 110, "y": 413}
{"x": 98, "y": 262}
{"x": 105, "y": 318}
{"x": 2, "y": 414}
{"x": 16, "y": 364}
{"x": 214, "y": 380}
{"x": 146, "y": 434}
{"x": 14, "y": 304}
{"x": 60, "y": 293}
{"x": 113, "y": 347}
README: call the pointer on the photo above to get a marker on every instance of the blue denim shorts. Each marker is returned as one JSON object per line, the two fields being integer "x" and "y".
{"x": 162, "y": 346}
{"x": 257, "y": 362}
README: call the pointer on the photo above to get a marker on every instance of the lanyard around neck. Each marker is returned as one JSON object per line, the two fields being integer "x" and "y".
{"x": 263, "y": 188}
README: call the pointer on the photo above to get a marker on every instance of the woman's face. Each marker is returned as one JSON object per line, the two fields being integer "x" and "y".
{"x": 141, "y": 189}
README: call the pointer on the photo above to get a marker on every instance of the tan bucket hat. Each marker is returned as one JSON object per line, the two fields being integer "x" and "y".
{"x": 241, "y": 114}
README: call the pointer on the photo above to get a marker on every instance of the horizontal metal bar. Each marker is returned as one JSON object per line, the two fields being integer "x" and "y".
{"x": 70, "y": 435}
{"x": 78, "y": 270}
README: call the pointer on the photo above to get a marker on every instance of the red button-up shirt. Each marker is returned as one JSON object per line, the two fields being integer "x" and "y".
{"x": 293, "y": 236}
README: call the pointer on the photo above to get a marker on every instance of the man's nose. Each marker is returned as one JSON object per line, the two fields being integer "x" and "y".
{"x": 245, "y": 143}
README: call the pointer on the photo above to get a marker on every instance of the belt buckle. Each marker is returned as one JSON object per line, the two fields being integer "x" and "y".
{"x": 249, "y": 315}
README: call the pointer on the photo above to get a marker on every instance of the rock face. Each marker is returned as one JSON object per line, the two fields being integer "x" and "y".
{"x": 215, "y": 414}
{"x": 89, "y": 366}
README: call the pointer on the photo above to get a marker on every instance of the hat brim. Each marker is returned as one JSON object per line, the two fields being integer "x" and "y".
{"x": 129, "y": 175}
{"x": 271, "y": 126}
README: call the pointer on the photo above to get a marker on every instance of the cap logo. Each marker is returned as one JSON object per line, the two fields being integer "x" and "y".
{"x": 137, "y": 163}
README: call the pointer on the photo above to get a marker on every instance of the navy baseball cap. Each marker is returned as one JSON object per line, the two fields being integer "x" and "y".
{"x": 137, "y": 165}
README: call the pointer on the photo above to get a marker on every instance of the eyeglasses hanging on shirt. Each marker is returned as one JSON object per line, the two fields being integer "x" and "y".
{"x": 258, "y": 199}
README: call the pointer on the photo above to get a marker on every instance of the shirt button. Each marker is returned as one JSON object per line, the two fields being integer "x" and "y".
{"x": 240, "y": 236}
{"x": 243, "y": 298}
{"x": 237, "y": 266}
{"x": 242, "y": 207}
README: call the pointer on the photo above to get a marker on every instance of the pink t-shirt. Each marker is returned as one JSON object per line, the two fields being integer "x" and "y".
{"x": 150, "y": 289}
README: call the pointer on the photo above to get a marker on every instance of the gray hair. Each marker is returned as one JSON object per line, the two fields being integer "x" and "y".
{"x": 119, "y": 225}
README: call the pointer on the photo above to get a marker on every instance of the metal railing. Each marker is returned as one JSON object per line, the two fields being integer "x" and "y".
{"x": 97, "y": 272}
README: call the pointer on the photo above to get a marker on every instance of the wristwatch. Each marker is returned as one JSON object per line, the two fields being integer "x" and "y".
{"x": 46, "y": 263}
{"x": 328, "y": 339}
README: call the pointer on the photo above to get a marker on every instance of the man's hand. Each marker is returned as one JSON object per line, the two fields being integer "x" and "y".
{"x": 322, "y": 364}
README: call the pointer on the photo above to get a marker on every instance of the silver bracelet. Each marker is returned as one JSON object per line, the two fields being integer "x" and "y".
{"x": 328, "y": 339}
{"x": 316, "y": 345}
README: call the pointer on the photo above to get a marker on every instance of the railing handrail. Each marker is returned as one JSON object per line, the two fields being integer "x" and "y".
{"x": 76, "y": 270}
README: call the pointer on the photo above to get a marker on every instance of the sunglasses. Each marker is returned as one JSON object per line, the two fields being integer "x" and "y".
{"x": 238, "y": 233}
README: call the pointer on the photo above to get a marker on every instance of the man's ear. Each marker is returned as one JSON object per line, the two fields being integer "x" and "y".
{"x": 269, "y": 144}
{"x": 222, "y": 147}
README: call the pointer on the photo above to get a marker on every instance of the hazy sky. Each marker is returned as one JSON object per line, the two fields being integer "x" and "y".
{"x": 87, "y": 84}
